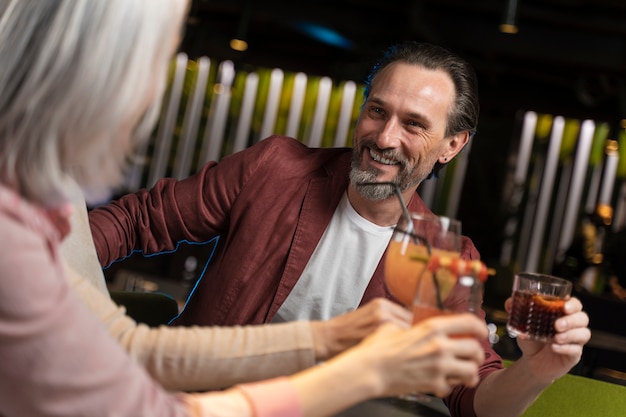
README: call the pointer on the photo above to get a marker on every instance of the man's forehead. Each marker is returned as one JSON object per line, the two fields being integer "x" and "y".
{"x": 412, "y": 83}
{"x": 410, "y": 75}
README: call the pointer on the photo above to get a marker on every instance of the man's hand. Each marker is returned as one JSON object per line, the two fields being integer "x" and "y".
{"x": 549, "y": 361}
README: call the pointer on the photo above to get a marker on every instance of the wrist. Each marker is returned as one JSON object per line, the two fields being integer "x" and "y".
{"x": 365, "y": 374}
{"x": 230, "y": 402}
{"x": 342, "y": 381}
{"x": 276, "y": 397}
{"x": 532, "y": 375}
{"x": 319, "y": 332}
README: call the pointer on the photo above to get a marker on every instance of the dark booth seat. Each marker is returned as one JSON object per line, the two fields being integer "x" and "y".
{"x": 153, "y": 309}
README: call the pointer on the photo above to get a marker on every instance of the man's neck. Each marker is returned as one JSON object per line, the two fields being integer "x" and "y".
{"x": 382, "y": 212}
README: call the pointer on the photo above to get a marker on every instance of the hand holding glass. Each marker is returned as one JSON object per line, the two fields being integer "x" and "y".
{"x": 423, "y": 265}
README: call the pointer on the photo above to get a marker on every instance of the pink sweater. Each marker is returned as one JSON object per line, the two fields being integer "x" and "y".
{"x": 57, "y": 357}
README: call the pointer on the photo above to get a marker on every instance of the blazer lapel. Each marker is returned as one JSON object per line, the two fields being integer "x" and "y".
{"x": 318, "y": 206}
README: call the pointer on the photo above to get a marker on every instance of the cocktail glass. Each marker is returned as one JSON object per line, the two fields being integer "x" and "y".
{"x": 424, "y": 269}
{"x": 538, "y": 301}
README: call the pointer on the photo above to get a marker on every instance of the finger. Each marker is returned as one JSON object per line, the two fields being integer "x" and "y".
{"x": 508, "y": 304}
{"x": 571, "y": 321}
{"x": 465, "y": 324}
{"x": 387, "y": 310}
{"x": 578, "y": 336}
{"x": 573, "y": 305}
{"x": 387, "y": 328}
{"x": 469, "y": 350}
{"x": 572, "y": 350}
{"x": 442, "y": 389}
{"x": 469, "y": 378}
{"x": 440, "y": 384}
{"x": 399, "y": 312}
{"x": 462, "y": 372}
{"x": 454, "y": 381}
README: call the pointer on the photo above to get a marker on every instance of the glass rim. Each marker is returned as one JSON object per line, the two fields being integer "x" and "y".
{"x": 451, "y": 222}
{"x": 545, "y": 278}
{"x": 427, "y": 215}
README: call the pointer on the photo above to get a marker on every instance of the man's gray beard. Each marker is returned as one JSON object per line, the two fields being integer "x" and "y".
{"x": 377, "y": 192}
{"x": 369, "y": 192}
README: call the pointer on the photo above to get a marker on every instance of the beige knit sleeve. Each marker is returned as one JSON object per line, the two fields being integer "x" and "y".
{"x": 202, "y": 358}
{"x": 193, "y": 358}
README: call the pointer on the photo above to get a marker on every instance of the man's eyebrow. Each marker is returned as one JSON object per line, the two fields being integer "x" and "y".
{"x": 418, "y": 116}
{"x": 424, "y": 120}
{"x": 377, "y": 100}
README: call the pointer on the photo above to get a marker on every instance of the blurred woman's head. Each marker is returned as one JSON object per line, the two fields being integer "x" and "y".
{"x": 78, "y": 80}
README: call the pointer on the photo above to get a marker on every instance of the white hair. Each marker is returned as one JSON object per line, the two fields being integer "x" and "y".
{"x": 75, "y": 78}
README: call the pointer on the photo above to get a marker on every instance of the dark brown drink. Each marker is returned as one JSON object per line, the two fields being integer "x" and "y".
{"x": 534, "y": 315}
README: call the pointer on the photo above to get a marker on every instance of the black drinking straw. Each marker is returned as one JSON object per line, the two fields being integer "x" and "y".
{"x": 411, "y": 232}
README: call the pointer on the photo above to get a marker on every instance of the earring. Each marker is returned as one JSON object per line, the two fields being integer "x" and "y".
{"x": 445, "y": 159}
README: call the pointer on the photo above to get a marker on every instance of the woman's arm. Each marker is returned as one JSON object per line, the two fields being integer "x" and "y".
{"x": 57, "y": 359}
{"x": 202, "y": 358}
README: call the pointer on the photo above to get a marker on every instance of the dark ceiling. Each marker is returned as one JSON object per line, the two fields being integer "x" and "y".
{"x": 569, "y": 56}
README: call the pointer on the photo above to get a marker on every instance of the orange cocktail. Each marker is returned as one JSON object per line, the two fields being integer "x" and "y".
{"x": 412, "y": 278}
{"x": 424, "y": 269}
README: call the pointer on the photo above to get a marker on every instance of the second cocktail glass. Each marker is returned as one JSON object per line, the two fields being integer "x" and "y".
{"x": 424, "y": 269}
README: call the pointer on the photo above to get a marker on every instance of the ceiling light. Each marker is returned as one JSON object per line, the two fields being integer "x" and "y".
{"x": 239, "y": 43}
{"x": 509, "y": 22}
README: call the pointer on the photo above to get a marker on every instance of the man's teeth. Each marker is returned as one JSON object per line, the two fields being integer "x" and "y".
{"x": 379, "y": 158}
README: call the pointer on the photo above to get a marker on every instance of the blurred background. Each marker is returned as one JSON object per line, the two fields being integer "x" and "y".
{"x": 540, "y": 188}
{"x": 567, "y": 57}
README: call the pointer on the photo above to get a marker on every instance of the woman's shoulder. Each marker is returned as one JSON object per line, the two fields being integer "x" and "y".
{"x": 18, "y": 215}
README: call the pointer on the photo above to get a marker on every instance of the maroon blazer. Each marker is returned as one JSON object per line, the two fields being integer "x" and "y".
{"x": 269, "y": 204}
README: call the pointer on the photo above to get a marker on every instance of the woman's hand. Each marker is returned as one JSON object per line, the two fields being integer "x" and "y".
{"x": 432, "y": 356}
{"x": 333, "y": 336}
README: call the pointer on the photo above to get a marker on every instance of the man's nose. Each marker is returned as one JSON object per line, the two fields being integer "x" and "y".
{"x": 389, "y": 135}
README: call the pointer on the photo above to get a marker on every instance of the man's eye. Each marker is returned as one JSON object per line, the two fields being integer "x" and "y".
{"x": 376, "y": 111}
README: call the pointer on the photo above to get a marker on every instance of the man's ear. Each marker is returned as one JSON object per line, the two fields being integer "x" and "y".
{"x": 455, "y": 144}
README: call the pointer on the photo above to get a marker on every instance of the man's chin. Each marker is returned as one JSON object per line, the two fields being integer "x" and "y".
{"x": 372, "y": 192}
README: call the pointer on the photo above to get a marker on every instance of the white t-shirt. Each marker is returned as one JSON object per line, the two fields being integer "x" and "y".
{"x": 334, "y": 280}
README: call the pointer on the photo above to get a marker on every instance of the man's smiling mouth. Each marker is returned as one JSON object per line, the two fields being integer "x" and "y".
{"x": 381, "y": 159}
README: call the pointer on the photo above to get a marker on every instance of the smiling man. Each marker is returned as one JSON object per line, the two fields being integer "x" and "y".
{"x": 401, "y": 134}
{"x": 301, "y": 239}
